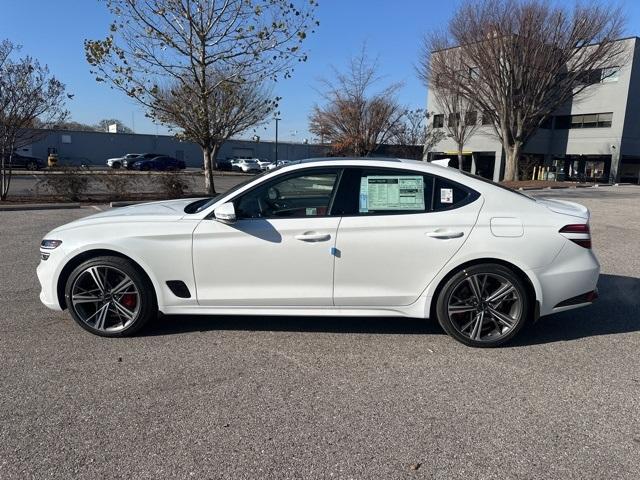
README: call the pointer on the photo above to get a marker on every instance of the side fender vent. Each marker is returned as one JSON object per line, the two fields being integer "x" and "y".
{"x": 179, "y": 288}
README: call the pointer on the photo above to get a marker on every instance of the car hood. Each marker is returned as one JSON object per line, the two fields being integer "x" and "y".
{"x": 565, "y": 208}
{"x": 166, "y": 210}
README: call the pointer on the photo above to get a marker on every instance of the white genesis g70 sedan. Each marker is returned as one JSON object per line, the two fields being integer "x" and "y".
{"x": 349, "y": 237}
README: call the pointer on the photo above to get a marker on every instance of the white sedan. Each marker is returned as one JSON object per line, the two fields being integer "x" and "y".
{"x": 357, "y": 237}
{"x": 245, "y": 165}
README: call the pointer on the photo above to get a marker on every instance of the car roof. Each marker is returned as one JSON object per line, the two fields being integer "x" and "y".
{"x": 369, "y": 162}
{"x": 454, "y": 174}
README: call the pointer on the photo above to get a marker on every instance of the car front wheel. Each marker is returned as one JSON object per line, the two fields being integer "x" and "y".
{"x": 110, "y": 297}
{"x": 483, "y": 305}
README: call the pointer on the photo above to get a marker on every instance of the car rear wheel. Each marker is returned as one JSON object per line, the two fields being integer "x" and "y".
{"x": 108, "y": 296}
{"x": 32, "y": 165}
{"x": 483, "y": 305}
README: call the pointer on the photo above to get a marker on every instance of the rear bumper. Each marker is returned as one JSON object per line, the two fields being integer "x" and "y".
{"x": 573, "y": 274}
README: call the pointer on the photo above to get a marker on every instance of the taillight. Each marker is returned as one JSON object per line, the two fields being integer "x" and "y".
{"x": 578, "y": 234}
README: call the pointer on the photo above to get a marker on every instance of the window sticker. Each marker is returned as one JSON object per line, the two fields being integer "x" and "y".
{"x": 391, "y": 192}
{"x": 446, "y": 195}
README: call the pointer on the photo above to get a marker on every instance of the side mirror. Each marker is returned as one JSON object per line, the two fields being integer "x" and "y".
{"x": 226, "y": 213}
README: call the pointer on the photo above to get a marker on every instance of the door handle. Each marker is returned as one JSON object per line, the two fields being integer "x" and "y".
{"x": 313, "y": 237}
{"x": 445, "y": 234}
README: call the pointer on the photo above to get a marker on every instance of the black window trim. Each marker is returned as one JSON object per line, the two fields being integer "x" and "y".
{"x": 471, "y": 197}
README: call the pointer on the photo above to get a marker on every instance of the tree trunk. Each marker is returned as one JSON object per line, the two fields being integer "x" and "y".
{"x": 208, "y": 154}
{"x": 459, "y": 159}
{"x": 5, "y": 173}
{"x": 512, "y": 154}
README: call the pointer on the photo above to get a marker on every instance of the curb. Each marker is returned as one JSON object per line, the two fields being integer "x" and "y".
{"x": 126, "y": 204}
{"x": 38, "y": 206}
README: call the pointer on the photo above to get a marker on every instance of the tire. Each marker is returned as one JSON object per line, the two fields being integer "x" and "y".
{"x": 145, "y": 168}
{"x": 116, "y": 165}
{"x": 489, "y": 318}
{"x": 101, "y": 300}
{"x": 32, "y": 166}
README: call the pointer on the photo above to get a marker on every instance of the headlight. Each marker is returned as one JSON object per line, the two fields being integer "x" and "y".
{"x": 50, "y": 244}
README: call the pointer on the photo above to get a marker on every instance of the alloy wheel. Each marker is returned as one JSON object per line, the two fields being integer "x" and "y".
{"x": 105, "y": 298}
{"x": 485, "y": 307}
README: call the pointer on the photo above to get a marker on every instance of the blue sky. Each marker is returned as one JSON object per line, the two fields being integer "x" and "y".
{"x": 54, "y": 31}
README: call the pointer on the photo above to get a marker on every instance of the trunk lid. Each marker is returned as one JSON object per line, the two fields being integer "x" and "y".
{"x": 565, "y": 208}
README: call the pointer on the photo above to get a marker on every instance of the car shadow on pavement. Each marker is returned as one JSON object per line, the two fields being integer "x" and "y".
{"x": 173, "y": 324}
{"x": 616, "y": 311}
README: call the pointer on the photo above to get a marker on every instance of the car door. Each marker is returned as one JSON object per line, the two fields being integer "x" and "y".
{"x": 278, "y": 251}
{"x": 399, "y": 228}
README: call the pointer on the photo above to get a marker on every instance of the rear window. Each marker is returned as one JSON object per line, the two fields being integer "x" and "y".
{"x": 385, "y": 191}
{"x": 448, "y": 195}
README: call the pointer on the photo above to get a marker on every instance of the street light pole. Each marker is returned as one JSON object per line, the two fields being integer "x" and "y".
{"x": 277, "y": 120}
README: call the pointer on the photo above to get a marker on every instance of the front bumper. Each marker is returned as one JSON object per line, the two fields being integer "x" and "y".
{"x": 48, "y": 274}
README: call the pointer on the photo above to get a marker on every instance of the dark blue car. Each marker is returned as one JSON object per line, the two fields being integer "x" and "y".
{"x": 160, "y": 163}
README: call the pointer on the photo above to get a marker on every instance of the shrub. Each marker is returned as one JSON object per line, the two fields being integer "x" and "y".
{"x": 66, "y": 182}
{"x": 118, "y": 184}
{"x": 173, "y": 185}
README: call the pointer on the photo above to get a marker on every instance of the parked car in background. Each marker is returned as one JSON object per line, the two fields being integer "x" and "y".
{"x": 28, "y": 163}
{"x": 119, "y": 162}
{"x": 246, "y": 165}
{"x": 343, "y": 237}
{"x": 279, "y": 163}
{"x": 263, "y": 164}
{"x": 160, "y": 163}
{"x": 128, "y": 163}
{"x": 224, "y": 163}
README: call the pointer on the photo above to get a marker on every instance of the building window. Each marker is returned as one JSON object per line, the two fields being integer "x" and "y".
{"x": 604, "y": 119}
{"x": 453, "y": 119}
{"x": 438, "y": 121}
{"x": 610, "y": 75}
{"x": 471, "y": 117}
{"x": 486, "y": 118}
{"x": 590, "y": 120}
{"x": 65, "y": 138}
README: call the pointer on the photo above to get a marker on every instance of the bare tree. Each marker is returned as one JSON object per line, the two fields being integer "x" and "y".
{"x": 412, "y": 137}
{"x": 159, "y": 43}
{"x": 29, "y": 96}
{"x": 103, "y": 125}
{"x": 460, "y": 116}
{"x": 233, "y": 108}
{"x": 355, "y": 119}
{"x": 518, "y": 61}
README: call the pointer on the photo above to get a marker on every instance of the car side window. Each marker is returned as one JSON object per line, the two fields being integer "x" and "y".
{"x": 306, "y": 194}
{"x": 382, "y": 191}
{"x": 448, "y": 195}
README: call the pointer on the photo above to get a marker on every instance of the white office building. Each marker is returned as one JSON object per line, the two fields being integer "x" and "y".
{"x": 596, "y": 138}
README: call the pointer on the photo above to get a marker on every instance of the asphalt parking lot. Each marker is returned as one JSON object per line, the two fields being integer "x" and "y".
{"x": 255, "y": 397}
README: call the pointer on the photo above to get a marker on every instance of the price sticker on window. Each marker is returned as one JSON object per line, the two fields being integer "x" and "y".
{"x": 391, "y": 192}
{"x": 446, "y": 195}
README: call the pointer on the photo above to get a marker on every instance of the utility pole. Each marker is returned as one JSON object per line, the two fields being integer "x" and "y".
{"x": 277, "y": 120}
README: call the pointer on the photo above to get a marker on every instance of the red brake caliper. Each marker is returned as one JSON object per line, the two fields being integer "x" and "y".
{"x": 128, "y": 300}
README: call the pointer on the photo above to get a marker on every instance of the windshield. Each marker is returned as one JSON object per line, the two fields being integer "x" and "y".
{"x": 212, "y": 200}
